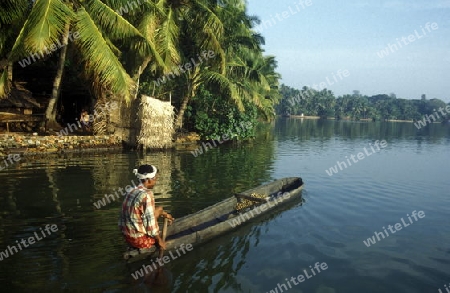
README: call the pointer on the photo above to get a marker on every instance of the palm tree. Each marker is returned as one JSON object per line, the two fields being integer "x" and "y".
{"x": 202, "y": 30}
{"x": 12, "y": 14}
{"x": 256, "y": 80}
{"x": 181, "y": 30}
{"x": 252, "y": 73}
{"x": 97, "y": 30}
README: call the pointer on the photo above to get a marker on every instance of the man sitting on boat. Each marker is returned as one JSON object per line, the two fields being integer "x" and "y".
{"x": 139, "y": 216}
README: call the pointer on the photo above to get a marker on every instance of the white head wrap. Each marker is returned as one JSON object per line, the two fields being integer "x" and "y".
{"x": 147, "y": 175}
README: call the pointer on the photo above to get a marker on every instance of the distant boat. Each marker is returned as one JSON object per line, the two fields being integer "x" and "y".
{"x": 224, "y": 216}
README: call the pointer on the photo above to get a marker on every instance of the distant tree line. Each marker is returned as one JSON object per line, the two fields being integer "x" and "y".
{"x": 356, "y": 106}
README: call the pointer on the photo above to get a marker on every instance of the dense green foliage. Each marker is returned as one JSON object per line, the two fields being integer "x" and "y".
{"x": 204, "y": 54}
{"x": 213, "y": 117}
{"x": 160, "y": 45}
{"x": 310, "y": 102}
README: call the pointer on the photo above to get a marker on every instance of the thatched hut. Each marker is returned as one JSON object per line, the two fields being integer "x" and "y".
{"x": 157, "y": 123}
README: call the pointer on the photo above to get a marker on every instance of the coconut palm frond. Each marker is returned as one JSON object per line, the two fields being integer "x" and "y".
{"x": 146, "y": 47}
{"x": 210, "y": 31}
{"x": 112, "y": 23}
{"x": 225, "y": 86}
{"x": 18, "y": 49}
{"x": 113, "y": 47}
{"x": 11, "y": 10}
{"x": 149, "y": 27}
{"x": 242, "y": 91}
{"x": 213, "y": 42}
{"x": 44, "y": 27}
{"x": 118, "y": 28}
{"x": 38, "y": 33}
{"x": 208, "y": 18}
{"x": 101, "y": 63}
{"x": 116, "y": 4}
{"x": 167, "y": 37}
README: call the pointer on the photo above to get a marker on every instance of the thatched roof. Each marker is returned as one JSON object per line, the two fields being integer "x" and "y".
{"x": 19, "y": 97}
{"x": 157, "y": 118}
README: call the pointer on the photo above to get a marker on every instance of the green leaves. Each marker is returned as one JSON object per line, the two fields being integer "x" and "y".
{"x": 103, "y": 67}
{"x": 158, "y": 35}
{"x": 42, "y": 29}
{"x": 167, "y": 37}
{"x": 214, "y": 117}
{"x": 224, "y": 85}
{"x": 112, "y": 24}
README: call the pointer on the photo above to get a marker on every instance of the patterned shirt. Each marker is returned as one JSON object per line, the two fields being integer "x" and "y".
{"x": 137, "y": 218}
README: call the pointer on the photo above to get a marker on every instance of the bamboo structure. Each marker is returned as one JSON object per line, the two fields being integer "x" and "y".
{"x": 156, "y": 123}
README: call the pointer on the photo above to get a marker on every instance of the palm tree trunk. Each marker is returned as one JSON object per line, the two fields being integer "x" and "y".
{"x": 179, "y": 120}
{"x": 50, "y": 113}
{"x": 10, "y": 72}
{"x": 183, "y": 107}
{"x": 141, "y": 69}
{"x": 193, "y": 83}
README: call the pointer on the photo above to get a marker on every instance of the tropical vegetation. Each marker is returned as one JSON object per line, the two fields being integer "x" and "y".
{"x": 123, "y": 47}
{"x": 356, "y": 106}
{"x": 88, "y": 52}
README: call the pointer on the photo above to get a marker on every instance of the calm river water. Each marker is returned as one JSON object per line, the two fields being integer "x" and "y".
{"x": 330, "y": 225}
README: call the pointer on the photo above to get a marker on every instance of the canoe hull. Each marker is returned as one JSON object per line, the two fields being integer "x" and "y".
{"x": 222, "y": 217}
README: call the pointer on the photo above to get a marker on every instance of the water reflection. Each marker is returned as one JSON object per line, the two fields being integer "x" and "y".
{"x": 62, "y": 189}
{"x": 86, "y": 252}
{"x": 306, "y": 129}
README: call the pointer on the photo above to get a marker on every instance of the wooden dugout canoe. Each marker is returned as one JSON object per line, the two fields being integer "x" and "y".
{"x": 223, "y": 216}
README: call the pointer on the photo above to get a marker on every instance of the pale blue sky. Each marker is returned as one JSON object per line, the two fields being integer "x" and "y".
{"x": 311, "y": 43}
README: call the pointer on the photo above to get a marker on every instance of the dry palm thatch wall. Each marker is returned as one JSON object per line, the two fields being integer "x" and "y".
{"x": 157, "y": 118}
{"x": 124, "y": 122}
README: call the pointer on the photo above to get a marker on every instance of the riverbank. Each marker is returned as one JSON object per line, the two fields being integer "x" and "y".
{"x": 29, "y": 144}
{"x": 349, "y": 119}
{"x": 304, "y": 117}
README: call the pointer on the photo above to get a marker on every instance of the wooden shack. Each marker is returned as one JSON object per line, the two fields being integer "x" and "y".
{"x": 17, "y": 110}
